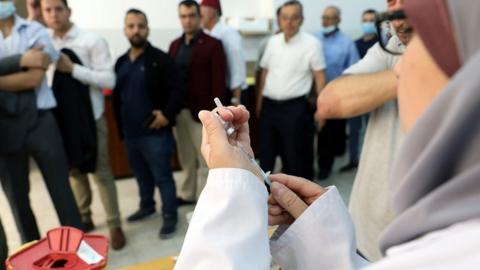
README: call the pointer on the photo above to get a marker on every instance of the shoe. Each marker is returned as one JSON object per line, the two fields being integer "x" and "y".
{"x": 323, "y": 174}
{"x": 88, "y": 226}
{"x": 117, "y": 238}
{"x": 349, "y": 167}
{"x": 182, "y": 202}
{"x": 169, "y": 226}
{"x": 141, "y": 214}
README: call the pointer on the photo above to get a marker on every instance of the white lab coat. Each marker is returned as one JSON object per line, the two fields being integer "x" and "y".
{"x": 229, "y": 231}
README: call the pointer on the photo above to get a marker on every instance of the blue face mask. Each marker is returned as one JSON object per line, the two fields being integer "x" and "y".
{"x": 368, "y": 28}
{"x": 329, "y": 29}
{"x": 7, "y": 9}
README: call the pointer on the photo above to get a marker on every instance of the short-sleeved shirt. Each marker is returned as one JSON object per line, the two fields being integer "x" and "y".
{"x": 290, "y": 65}
{"x": 370, "y": 198}
{"x": 377, "y": 59}
{"x": 26, "y": 35}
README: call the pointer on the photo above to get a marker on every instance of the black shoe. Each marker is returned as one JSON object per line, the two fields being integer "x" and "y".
{"x": 349, "y": 167}
{"x": 141, "y": 214}
{"x": 323, "y": 174}
{"x": 88, "y": 226}
{"x": 182, "y": 202}
{"x": 169, "y": 226}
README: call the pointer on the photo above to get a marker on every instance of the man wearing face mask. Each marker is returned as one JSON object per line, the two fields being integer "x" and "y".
{"x": 340, "y": 53}
{"x": 369, "y": 37}
{"x": 369, "y": 86}
{"x": 434, "y": 185}
{"x": 38, "y": 136}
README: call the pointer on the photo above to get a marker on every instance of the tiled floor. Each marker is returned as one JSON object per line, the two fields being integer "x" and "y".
{"x": 143, "y": 242}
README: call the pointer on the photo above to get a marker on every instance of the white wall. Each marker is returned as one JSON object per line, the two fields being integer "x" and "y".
{"x": 351, "y": 13}
{"x": 106, "y": 17}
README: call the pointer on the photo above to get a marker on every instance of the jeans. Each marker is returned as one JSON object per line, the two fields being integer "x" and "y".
{"x": 149, "y": 158}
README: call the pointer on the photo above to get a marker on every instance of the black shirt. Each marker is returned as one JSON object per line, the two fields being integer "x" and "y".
{"x": 363, "y": 46}
{"x": 136, "y": 105}
{"x": 184, "y": 55}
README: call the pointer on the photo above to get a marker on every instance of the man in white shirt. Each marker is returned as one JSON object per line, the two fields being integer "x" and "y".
{"x": 211, "y": 12}
{"x": 370, "y": 86}
{"x": 42, "y": 139}
{"x": 292, "y": 60}
{"x": 97, "y": 73}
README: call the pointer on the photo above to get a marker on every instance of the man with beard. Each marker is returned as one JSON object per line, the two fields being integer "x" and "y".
{"x": 147, "y": 98}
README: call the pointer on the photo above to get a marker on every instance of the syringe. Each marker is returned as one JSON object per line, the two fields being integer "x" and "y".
{"x": 230, "y": 130}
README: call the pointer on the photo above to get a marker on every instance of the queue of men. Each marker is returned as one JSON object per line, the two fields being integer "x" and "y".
{"x": 157, "y": 97}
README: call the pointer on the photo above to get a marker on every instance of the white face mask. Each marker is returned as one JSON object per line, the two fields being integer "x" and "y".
{"x": 7, "y": 9}
{"x": 329, "y": 29}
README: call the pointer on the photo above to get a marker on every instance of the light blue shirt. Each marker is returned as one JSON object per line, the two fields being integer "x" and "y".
{"x": 26, "y": 35}
{"x": 339, "y": 52}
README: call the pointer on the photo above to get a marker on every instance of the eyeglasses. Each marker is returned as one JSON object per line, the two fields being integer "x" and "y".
{"x": 386, "y": 31}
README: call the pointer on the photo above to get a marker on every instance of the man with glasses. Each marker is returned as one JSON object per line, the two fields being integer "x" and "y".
{"x": 292, "y": 60}
{"x": 340, "y": 53}
{"x": 370, "y": 86}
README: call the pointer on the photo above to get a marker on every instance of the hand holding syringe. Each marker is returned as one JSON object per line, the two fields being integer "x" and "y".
{"x": 230, "y": 130}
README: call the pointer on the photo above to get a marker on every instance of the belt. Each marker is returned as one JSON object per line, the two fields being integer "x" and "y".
{"x": 284, "y": 101}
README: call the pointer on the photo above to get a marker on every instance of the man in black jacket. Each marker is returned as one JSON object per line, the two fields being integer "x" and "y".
{"x": 147, "y": 97}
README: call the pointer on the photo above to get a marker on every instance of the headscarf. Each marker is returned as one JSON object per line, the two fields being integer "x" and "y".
{"x": 436, "y": 179}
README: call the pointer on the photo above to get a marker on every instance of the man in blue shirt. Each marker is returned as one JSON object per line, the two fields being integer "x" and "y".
{"x": 38, "y": 137}
{"x": 147, "y": 97}
{"x": 340, "y": 53}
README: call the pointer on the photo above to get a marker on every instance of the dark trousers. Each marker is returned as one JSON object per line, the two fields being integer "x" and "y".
{"x": 286, "y": 129}
{"x": 149, "y": 158}
{"x": 3, "y": 247}
{"x": 44, "y": 144}
{"x": 330, "y": 143}
{"x": 354, "y": 128}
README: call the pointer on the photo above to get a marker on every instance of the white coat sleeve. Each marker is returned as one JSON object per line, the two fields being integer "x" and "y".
{"x": 323, "y": 237}
{"x": 100, "y": 74}
{"x": 228, "y": 229}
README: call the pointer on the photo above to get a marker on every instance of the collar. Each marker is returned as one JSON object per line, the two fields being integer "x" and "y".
{"x": 292, "y": 39}
{"x": 71, "y": 33}
{"x": 19, "y": 23}
{"x": 194, "y": 39}
{"x": 332, "y": 33}
{"x": 216, "y": 28}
